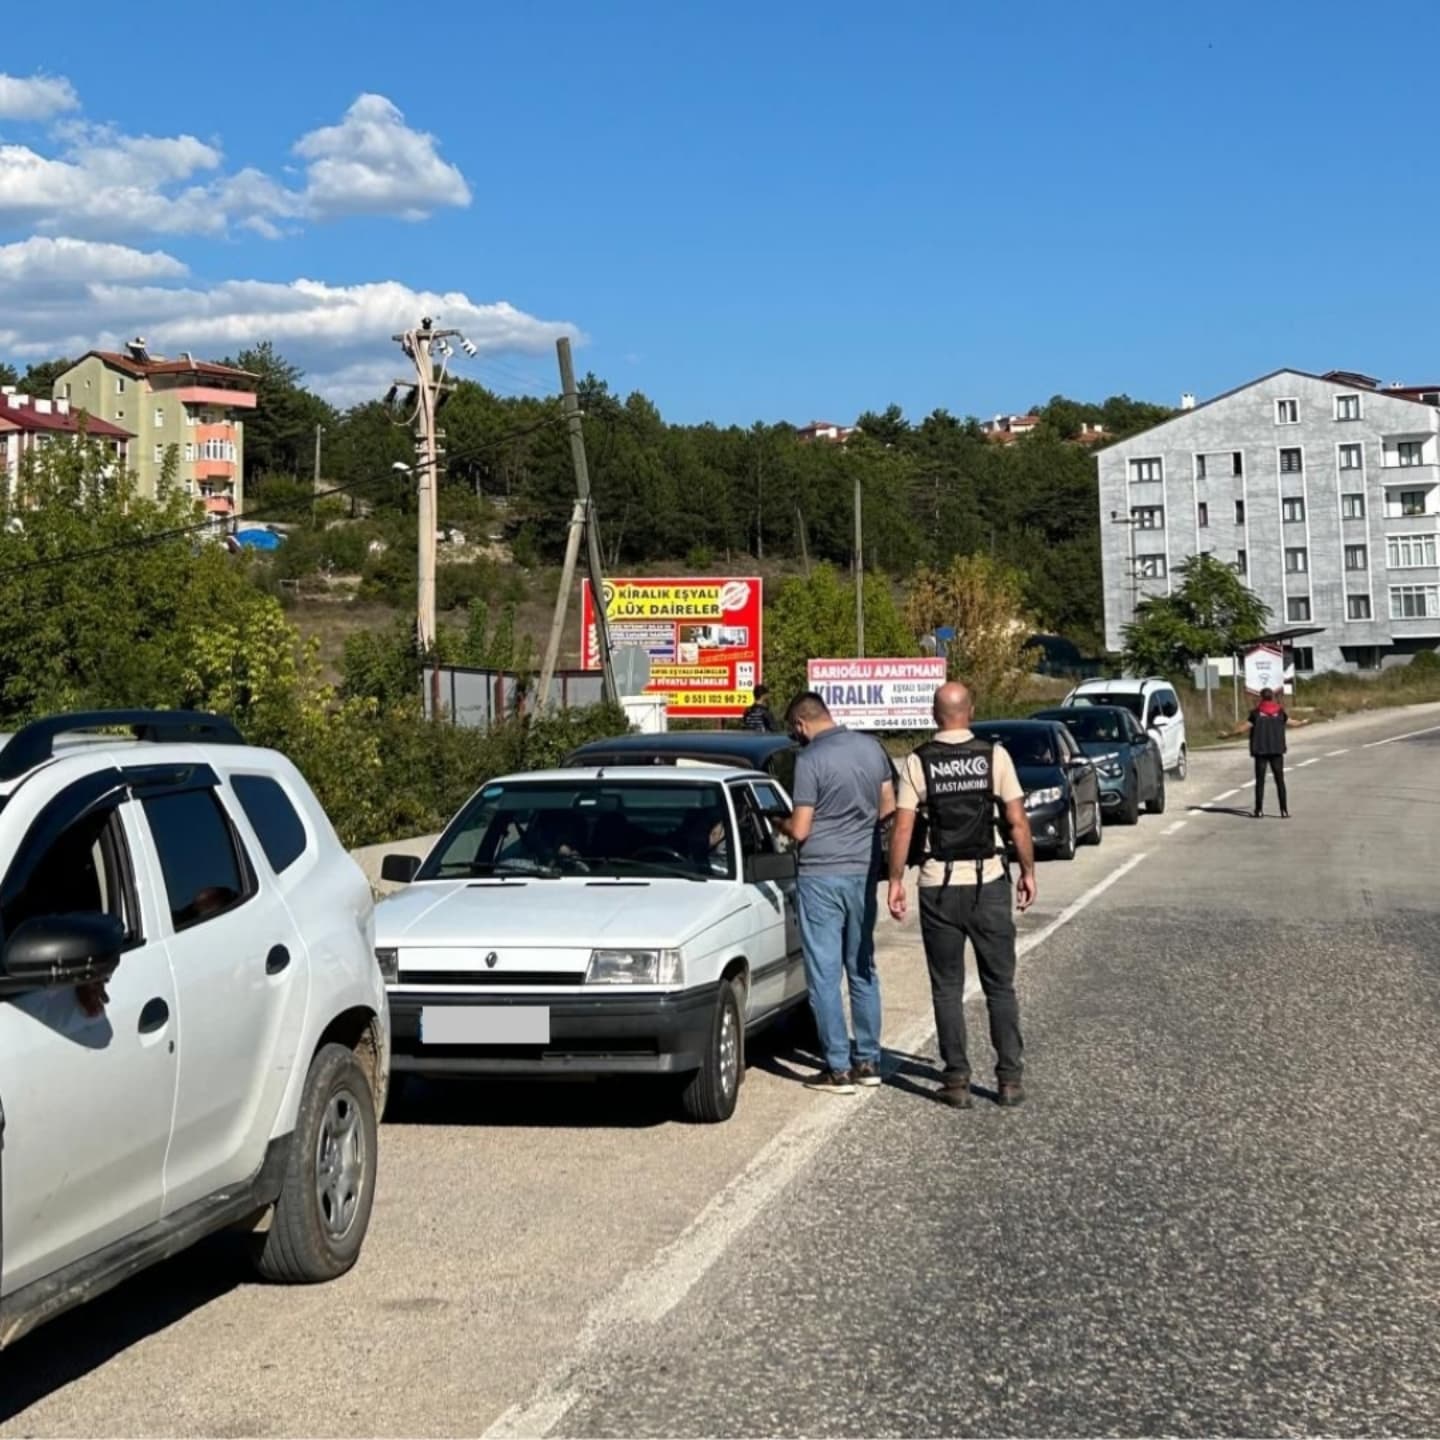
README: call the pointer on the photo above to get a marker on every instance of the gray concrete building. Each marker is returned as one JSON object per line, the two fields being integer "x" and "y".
{"x": 1323, "y": 491}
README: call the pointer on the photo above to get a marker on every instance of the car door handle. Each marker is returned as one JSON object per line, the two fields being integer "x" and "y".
{"x": 276, "y": 960}
{"x": 154, "y": 1016}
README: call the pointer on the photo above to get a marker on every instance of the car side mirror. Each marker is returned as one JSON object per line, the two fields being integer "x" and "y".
{"x": 770, "y": 865}
{"x": 55, "y": 950}
{"x": 399, "y": 869}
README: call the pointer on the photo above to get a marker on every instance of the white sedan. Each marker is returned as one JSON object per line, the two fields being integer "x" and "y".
{"x": 605, "y": 921}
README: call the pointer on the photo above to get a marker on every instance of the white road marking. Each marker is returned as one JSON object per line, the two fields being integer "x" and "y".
{"x": 1314, "y": 760}
{"x": 650, "y": 1293}
{"x": 1331, "y": 754}
{"x": 1409, "y": 735}
{"x": 1225, "y": 796}
{"x": 1172, "y": 828}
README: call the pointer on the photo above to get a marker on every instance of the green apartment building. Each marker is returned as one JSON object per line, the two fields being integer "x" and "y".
{"x": 191, "y": 405}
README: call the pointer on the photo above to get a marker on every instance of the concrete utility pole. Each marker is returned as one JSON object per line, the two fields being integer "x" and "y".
{"x": 581, "y": 517}
{"x": 417, "y": 345}
{"x": 859, "y": 575}
{"x": 319, "y": 431}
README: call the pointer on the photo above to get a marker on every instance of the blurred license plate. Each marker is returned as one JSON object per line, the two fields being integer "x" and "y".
{"x": 484, "y": 1025}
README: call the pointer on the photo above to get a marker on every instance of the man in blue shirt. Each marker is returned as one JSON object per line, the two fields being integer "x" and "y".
{"x": 844, "y": 792}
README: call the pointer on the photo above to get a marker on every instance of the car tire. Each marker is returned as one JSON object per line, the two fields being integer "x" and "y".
{"x": 1156, "y": 803}
{"x": 1065, "y": 845}
{"x": 1097, "y": 831}
{"x": 322, "y": 1214}
{"x": 710, "y": 1094}
{"x": 1182, "y": 767}
{"x": 1129, "y": 811}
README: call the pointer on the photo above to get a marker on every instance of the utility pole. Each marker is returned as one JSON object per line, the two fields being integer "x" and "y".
{"x": 859, "y": 575}
{"x": 417, "y": 345}
{"x": 582, "y": 517}
{"x": 319, "y": 431}
{"x": 1116, "y": 518}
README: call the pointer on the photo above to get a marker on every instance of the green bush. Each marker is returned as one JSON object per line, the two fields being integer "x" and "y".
{"x": 1425, "y": 662}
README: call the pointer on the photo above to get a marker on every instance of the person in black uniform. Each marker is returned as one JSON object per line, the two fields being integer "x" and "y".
{"x": 1267, "y": 724}
{"x": 759, "y": 716}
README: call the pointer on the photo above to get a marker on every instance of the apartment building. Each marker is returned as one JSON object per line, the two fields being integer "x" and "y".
{"x": 188, "y": 406}
{"x": 30, "y": 424}
{"x": 1323, "y": 491}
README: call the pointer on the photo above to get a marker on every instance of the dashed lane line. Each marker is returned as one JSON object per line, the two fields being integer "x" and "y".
{"x": 1224, "y": 796}
{"x": 1409, "y": 735}
{"x": 1176, "y": 825}
{"x": 1331, "y": 754}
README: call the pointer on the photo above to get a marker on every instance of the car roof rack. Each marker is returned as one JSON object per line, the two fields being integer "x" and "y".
{"x": 34, "y": 744}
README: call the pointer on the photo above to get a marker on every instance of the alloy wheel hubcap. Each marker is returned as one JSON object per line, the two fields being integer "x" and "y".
{"x": 340, "y": 1165}
{"x": 729, "y": 1049}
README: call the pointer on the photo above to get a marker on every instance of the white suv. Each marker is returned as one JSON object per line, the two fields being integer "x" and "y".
{"x": 1154, "y": 703}
{"x": 193, "y": 1029}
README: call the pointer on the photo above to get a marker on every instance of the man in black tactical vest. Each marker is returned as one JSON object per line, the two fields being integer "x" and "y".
{"x": 950, "y": 790}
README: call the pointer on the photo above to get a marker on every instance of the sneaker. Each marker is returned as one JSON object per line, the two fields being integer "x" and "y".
{"x": 833, "y": 1082}
{"x": 866, "y": 1074}
{"x": 1012, "y": 1092}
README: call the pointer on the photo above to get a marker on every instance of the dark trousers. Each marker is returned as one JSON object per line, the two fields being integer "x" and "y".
{"x": 1276, "y": 765}
{"x": 949, "y": 916}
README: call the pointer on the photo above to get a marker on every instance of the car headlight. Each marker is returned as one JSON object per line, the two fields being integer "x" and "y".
{"x": 635, "y": 967}
{"x": 1109, "y": 766}
{"x": 389, "y": 963}
{"x": 1050, "y": 795}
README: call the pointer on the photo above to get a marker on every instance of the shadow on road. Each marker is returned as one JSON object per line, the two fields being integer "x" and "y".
{"x": 1244, "y": 812}
{"x": 71, "y": 1347}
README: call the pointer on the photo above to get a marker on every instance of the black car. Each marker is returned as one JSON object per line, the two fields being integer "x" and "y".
{"x": 1127, "y": 760}
{"x": 743, "y": 749}
{"x": 1062, "y": 790}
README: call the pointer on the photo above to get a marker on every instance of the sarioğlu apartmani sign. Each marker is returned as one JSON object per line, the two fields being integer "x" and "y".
{"x": 882, "y": 694}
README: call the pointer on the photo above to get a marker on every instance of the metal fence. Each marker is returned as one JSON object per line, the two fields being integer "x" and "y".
{"x": 479, "y": 698}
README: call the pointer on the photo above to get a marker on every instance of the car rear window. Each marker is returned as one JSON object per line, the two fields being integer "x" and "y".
{"x": 1025, "y": 747}
{"x": 1091, "y": 724}
{"x": 279, "y": 829}
{"x": 1135, "y": 704}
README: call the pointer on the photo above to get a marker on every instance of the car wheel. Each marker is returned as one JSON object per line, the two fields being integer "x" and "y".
{"x": 1182, "y": 768}
{"x": 1129, "y": 812}
{"x": 710, "y": 1094}
{"x": 323, "y": 1211}
{"x": 1097, "y": 831}
{"x": 1065, "y": 845}
{"x": 1156, "y": 804}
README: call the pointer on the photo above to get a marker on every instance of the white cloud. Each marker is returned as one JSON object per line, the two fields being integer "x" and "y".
{"x": 65, "y": 296}
{"x": 373, "y": 163}
{"x": 98, "y": 181}
{"x": 38, "y": 97}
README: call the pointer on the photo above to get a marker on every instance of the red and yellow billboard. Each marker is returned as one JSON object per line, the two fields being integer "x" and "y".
{"x": 702, "y": 636}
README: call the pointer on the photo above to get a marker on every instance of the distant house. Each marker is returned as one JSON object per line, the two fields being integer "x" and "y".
{"x": 1005, "y": 428}
{"x": 30, "y": 423}
{"x": 826, "y": 430}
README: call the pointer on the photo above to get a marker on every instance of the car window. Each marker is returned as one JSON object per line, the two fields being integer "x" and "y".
{"x": 1168, "y": 697}
{"x": 1092, "y": 723}
{"x": 86, "y": 870}
{"x": 199, "y": 855}
{"x": 555, "y": 827}
{"x": 1025, "y": 747}
{"x": 770, "y": 798}
{"x": 754, "y": 832}
{"x": 1130, "y": 701}
{"x": 279, "y": 829}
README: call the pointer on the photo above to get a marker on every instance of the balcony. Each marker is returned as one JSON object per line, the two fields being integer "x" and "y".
{"x": 219, "y": 504}
{"x": 213, "y": 395}
{"x": 215, "y": 470}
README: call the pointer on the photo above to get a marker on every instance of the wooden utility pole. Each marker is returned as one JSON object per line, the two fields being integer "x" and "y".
{"x": 859, "y": 575}
{"x": 319, "y": 431}
{"x": 582, "y": 517}
{"x": 417, "y": 344}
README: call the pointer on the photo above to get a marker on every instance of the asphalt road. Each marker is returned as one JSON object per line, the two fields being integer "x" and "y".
{"x": 1217, "y": 1211}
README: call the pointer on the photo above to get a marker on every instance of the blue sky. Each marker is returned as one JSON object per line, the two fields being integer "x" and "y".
{"x": 747, "y": 210}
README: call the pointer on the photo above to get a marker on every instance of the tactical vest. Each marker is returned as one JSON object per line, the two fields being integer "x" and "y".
{"x": 959, "y": 809}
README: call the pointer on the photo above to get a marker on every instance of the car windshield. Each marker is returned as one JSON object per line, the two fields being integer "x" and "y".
{"x": 1135, "y": 704}
{"x": 547, "y": 829}
{"x": 1025, "y": 747}
{"x": 1090, "y": 725}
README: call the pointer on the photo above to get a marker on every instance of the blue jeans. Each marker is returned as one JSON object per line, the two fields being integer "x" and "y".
{"x": 837, "y": 931}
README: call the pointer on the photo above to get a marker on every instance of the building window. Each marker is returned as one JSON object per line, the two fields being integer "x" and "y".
{"x": 1237, "y": 463}
{"x": 1239, "y": 512}
{"x": 1297, "y": 560}
{"x": 1242, "y": 563}
{"x": 1287, "y": 412}
{"x": 1352, "y": 507}
{"x": 1347, "y": 407}
{"x": 1356, "y": 557}
{"x": 1148, "y": 469}
{"x": 1357, "y": 607}
{"x": 1200, "y": 468}
{"x": 65, "y": 388}
{"x": 1293, "y": 510}
{"x": 1148, "y": 517}
{"x": 1410, "y": 452}
{"x": 189, "y": 416}
{"x": 159, "y": 454}
{"x": 1406, "y": 552}
{"x": 1304, "y": 656}
{"x": 159, "y": 417}
{"x": 1202, "y": 514}
{"x": 1412, "y": 502}
{"x": 189, "y": 450}
{"x": 1350, "y": 457}
{"x": 1291, "y": 462}
{"x": 1414, "y": 602}
{"x": 119, "y": 384}
{"x": 1297, "y": 607}
{"x": 1150, "y": 567}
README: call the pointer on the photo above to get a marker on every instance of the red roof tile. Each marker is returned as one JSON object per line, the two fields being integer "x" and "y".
{"x": 142, "y": 368}
{"x": 28, "y": 418}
